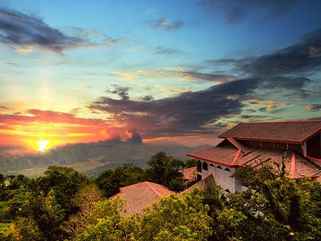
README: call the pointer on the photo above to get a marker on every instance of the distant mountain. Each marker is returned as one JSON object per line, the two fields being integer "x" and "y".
{"x": 90, "y": 158}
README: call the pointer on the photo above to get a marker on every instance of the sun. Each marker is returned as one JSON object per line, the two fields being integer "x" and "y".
{"x": 42, "y": 145}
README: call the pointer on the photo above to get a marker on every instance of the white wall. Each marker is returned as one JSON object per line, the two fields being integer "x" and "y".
{"x": 223, "y": 175}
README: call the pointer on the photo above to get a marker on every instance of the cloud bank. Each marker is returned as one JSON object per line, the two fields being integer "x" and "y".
{"x": 286, "y": 70}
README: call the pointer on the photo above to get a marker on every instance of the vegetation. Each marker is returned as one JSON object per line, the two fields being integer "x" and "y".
{"x": 64, "y": 205}
{"x": 162, "y": 169}
{"x": 174, "y": 218}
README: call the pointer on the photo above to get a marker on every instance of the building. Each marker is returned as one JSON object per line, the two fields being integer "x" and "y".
{"x": 297, "y": 143}
{"x": 140, "y": 196}
{"x": 189, "y": 174}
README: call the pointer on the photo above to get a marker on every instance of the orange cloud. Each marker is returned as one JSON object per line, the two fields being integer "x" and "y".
{"x": 56, "y": 128}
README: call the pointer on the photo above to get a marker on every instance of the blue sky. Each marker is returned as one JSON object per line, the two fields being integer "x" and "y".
{"x": 163, "y": 68}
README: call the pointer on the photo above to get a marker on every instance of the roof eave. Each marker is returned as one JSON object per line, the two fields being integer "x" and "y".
{"x": 265, "y": 140}
{"x": 217, "y": 162}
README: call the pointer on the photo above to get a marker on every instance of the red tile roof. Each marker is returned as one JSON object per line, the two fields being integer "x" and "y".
{"x": 219, "y": 155}
{"x": 141, "y": 195}
{"x": 189, "y": 174}
{"x": 228, "y": 156}
{"x": 296, "y": 166}
{"x": 284, "y": 132}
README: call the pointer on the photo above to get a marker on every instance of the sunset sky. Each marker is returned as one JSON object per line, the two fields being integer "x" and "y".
{"x": 173, "y": 71}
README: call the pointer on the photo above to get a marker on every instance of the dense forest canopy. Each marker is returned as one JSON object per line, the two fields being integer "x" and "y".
{"x": 66, "y": 205}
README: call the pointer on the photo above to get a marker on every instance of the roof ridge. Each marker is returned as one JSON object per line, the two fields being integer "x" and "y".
{"x": 283, "y": 121}
{"x": 149, "y": 184}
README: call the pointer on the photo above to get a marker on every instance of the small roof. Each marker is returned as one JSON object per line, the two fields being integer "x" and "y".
{"x": 189, "y": 174}
{"x": 141, "y": 195}
{"x": 295, "y": 132}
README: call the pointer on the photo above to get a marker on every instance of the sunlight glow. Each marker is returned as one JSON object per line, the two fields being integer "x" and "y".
{"x": 42, "y": 145}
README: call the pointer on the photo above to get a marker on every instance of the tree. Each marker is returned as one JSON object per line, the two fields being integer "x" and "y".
{"x": 278, "y": 208}
{"x": 164, "y": 169}
{"x": 25, "y": 229}
{"x": 46, "y": 202}
{"x": 105, "y": 223}
{"x": 176, "y": 218}
{"x": 111, "y": 180}
{"x": 86, "y": 199}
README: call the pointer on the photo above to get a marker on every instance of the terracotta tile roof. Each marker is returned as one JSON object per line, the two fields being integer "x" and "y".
{"x": 297, "y": 168}
{"x": 141, "y": 195}
{"x": 189, "y": 174}
{"x": 285, "y": 132}
{"x": 219, "y": 155}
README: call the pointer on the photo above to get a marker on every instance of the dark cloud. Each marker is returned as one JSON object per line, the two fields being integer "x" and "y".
{"x": 237, "y": 11}
{"x": 301, "y": 58}
{"x": 289, "y": 83}
{"x": 93, "y": 38}
{"x": 187, "y": 112}
{"x": 219, "y": 78}
{"x": 21, "y": 30}
{"x": 25, "y": 32}
{"x": 229, "y": 61}
{"x": 122, "y": 92}
{"x": 166, "y": 51}
{"x": 166, "y": 24}
{"x": 148, "y": 98}
{"x": 287, "y": 70}
{"x": 222, "y": 61}
{"x": 187, "y": 75}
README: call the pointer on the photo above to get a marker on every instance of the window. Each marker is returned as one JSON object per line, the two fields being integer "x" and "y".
{"x": 227, "y": 169}
{"x": 212, "y": 165}
{"x": 199, "y": 166}
{"x": 205, "y": 166}
{"x": 219, "y": 167}
{"x": 199, "y": 177}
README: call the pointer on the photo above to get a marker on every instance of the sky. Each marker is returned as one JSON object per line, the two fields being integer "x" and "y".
{"x": 171, "y": 71}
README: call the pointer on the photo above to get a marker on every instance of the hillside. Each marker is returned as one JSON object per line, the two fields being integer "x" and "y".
{"x": 90, "y": 158}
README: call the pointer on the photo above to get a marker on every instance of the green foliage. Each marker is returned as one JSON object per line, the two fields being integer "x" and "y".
{"x": 177, "y": 218}
{"x": 111, "y": 180}
{"x": 4, "y": 228}
{"x": 41, "y": 205}
{"x": 86, "y": 200}
{"x": 62, "y": 205}
{"x": 4, "y": 210}
{"x": 174, "y": 218}
{"x": 190, "y": 163}
{"x": 105, "y": 223}
{"x": 273, "y": 207}
{"x": 164, "y": 170}
{"x": 26, "y": 229}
